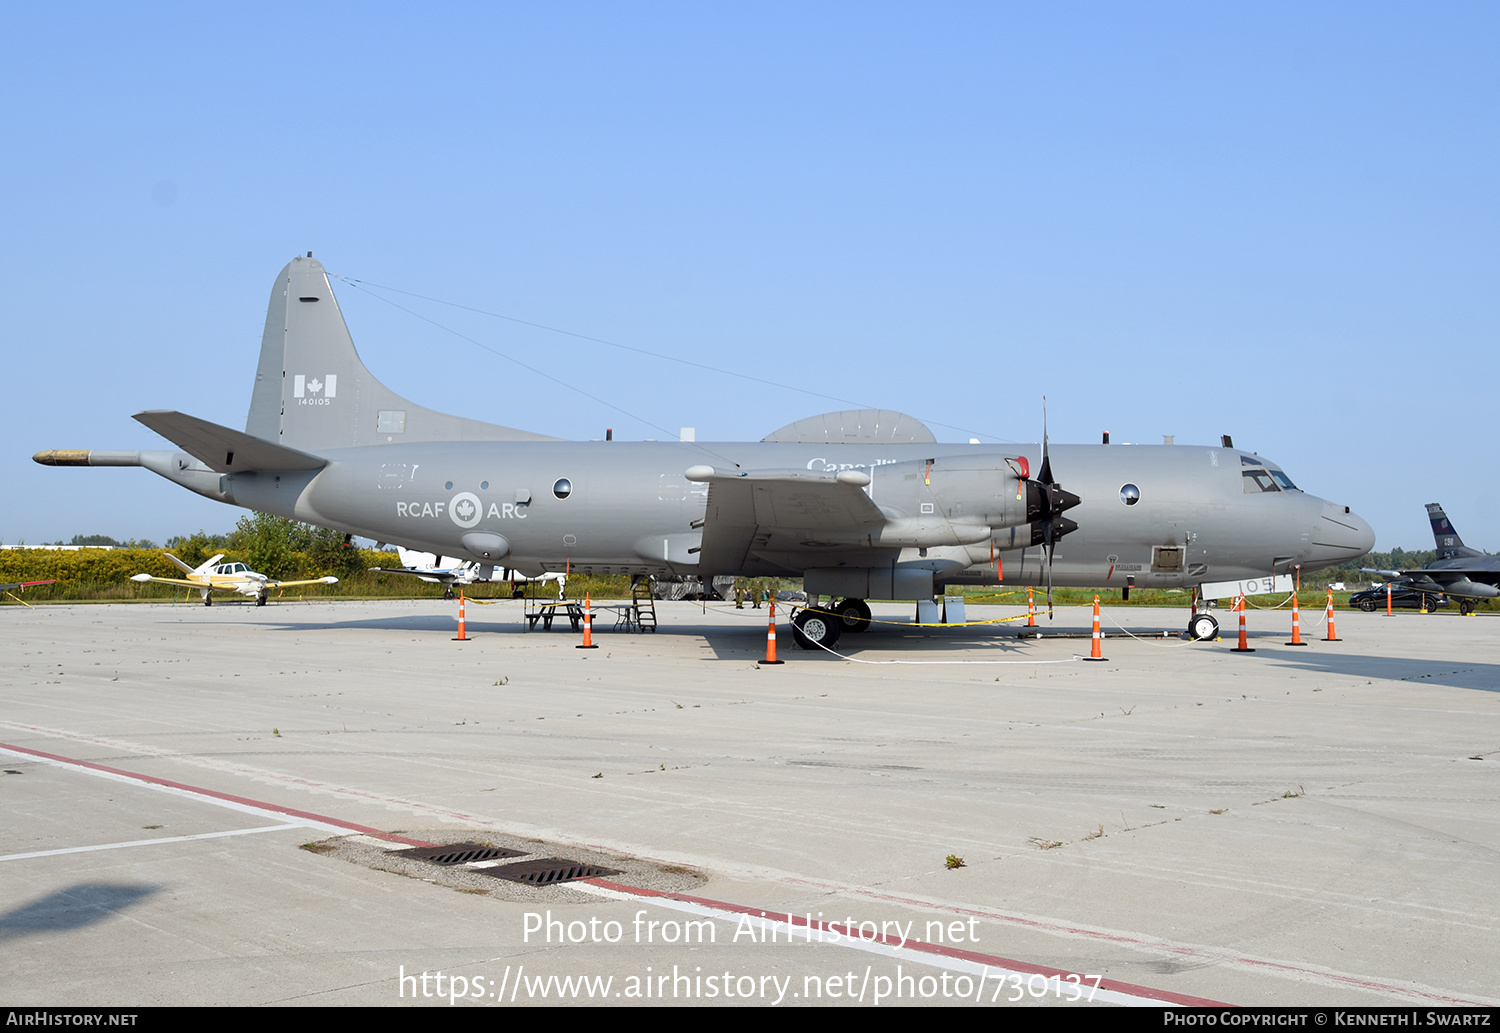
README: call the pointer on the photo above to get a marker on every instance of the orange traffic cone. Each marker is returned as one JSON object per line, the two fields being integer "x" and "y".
{"x": 462, "y": 634}
{"x": 588, "y": 625}
{"x": 1296, "y": 624}
{"x": 1030, "y": 608}
{"x": 1331, "y": 636}
{"x": 771, "y": 639}
{"x": 1096, "y": 653}
{"x": 1243, "y": 647}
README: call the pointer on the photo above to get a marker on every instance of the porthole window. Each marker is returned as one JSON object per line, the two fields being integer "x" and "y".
{"x": 484, "y": 485}
{"x": 448, "y": 486}
{"x": 1130, "y": 494}
{"x": 563, "y": 488}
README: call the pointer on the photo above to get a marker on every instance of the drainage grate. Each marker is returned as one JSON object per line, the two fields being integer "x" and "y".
{"x": 547, "y": 870}
{"x": 458, "y": 853}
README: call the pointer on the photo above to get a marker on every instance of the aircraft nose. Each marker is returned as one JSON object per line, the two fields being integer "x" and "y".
{"x": 1339, "y": 535}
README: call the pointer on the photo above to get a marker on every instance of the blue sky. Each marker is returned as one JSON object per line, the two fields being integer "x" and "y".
{"x": 1277, "y": 221}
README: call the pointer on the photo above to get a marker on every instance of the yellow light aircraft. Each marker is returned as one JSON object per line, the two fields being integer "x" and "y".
{"x": 227, "y": 577}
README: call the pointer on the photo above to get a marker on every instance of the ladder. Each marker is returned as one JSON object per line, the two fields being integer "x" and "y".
{"x": 644, "y": 602}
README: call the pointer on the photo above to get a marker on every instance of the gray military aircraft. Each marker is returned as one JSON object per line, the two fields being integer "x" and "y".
{"x": 863, "y": 504}
{"x": 1464, "y": 573}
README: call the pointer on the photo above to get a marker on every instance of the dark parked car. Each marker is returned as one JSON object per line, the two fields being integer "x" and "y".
{"x": 1373, "y": 599}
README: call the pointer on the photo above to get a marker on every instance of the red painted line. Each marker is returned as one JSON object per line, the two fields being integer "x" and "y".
{"x": 792, "y": 920}
{"x": 1165, "y": 996}
{"x": 1279, "y": 968}
{"x": 214, "y": 794}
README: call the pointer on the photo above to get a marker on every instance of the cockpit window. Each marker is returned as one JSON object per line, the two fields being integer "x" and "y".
{"x": 1257, "y": 481}
{"x": 1282, "y": 479}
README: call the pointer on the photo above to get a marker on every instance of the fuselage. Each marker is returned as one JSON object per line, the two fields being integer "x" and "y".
{"x": 1153, "y": 516}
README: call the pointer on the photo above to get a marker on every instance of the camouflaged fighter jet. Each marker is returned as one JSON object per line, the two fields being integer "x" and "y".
{"x": 1468, "y": 575}
{"x": 861, "y": 505}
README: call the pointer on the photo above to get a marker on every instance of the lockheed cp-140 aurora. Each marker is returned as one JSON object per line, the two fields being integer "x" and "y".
{"x": 861, "y": 505}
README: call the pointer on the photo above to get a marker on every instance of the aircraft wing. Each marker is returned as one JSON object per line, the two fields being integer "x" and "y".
{"x": 224, "y": 450}
{"x": 1457, "y": 582}
{"x": 802, "y": 515}
{"x": 143, "y": 578}
{"x": 746, "y": 508}
{"x": 9, "y": 586}
{"x": 438, "y": 577}
{"x": 330, "y": 580}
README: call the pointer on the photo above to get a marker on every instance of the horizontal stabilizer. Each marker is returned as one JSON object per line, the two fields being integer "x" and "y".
{"x": 224, "y": 450}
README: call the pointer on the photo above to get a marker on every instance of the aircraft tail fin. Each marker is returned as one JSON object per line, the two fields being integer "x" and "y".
{"x": 1449, "y": 544}
{"x": 415, "y": 560}
{"x": 202, "y": 568}
{"x": 313, "y": 393}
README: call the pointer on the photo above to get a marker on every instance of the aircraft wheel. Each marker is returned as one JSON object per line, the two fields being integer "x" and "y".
{"x": 1465, "y": 607}
{"x": 1368, "y": 605}
{"x": 812, "y": 630}
{"x": 208, "y": 600}
{"x": 260, "y": 600}
{"x": 854, "y": 614}
{"x": 447, "y": 593}
{"x": 1202, "y": 627}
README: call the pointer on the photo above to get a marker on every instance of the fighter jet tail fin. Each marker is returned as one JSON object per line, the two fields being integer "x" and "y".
{"x": 1449, "y": 544}
{"x": 313, "y": 393}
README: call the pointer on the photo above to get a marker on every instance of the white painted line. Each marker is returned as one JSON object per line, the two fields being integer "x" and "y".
{"x": 148, "y": 842}
{"x": 186, "y": 792}
{"x": 992, "y": 978}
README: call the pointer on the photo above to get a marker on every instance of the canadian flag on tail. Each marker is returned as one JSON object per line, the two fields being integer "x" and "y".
{"x": 327, "y": 386}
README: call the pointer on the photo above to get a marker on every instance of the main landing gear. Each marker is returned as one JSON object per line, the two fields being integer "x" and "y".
{"x": 854, "y": 614}
{"x": 813, "y": 629}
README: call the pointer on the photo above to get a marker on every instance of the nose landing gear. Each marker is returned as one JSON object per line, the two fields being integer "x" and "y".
{"x": 1202, "y": 627}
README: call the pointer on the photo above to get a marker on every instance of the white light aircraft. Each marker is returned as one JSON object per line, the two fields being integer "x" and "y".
{"x": 427, "y": 566}
{"x": 227, "y": 577}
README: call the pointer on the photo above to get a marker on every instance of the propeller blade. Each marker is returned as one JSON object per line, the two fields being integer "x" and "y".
{"x": 1045, "y": 474}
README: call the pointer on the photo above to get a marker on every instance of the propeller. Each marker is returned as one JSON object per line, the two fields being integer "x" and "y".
{"x": 1046, "y": 500}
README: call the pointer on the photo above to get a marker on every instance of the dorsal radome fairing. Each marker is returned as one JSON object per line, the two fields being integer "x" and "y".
{"x": 855, "y": 426}
{"x": 313, "y": 393}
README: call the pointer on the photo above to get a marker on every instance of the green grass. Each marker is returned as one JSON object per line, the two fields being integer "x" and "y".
{"x": 365, "y": 585}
